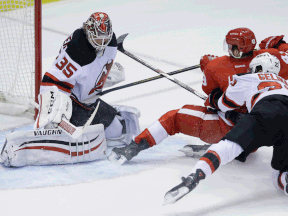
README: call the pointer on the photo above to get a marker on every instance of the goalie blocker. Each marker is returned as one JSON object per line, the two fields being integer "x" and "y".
{"x": 53, "y": 146}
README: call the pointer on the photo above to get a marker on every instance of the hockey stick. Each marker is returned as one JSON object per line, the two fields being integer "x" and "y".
{"x": 148, "y": 79}
{"x": 120, "y": 41}
{"x": 70, "y": 129}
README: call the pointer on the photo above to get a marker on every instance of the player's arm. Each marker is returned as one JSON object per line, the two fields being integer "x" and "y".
{"x": 276, "y": 42}
{"x": 55, "y": 90}
{"x": 209, "y": 85}
{"x": 233, "y": 97}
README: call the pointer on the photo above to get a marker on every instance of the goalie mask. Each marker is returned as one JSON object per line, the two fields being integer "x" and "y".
{"x": 98, "y": 29}
{"x": 241, "y": 39}
{"x": 265, "y": 63}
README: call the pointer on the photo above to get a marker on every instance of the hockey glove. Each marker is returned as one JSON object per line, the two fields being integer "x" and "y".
{"x": 214, "y": 97}
{"x": 205, "y": 60}
{"x": 272, "y": 42}
{"x": 234, "y": 116}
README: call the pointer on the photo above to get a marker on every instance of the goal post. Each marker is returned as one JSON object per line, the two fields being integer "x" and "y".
{"x": 20, "y": 55}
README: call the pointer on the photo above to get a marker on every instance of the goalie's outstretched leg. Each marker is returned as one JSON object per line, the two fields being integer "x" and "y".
{"x": 188, "y": 184}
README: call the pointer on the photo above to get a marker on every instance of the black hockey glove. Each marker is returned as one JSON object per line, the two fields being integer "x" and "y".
{"x": 234, "y": 116}
{"x": 214, "y": 97}
{"x": 132, "y": 149}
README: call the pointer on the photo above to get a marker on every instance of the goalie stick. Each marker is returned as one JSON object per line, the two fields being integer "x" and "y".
{"x": 120, "y": 47}
{"x": 70, "y": 129}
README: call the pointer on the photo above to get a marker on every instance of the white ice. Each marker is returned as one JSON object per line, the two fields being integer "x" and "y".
{"x": 170, "y": 35}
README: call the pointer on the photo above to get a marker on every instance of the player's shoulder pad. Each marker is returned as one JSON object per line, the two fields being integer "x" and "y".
{"x": 113, "y": 42}
{"x": 245, "y": 77}
{"x": 79, "y": 49}
{"x": 217, "y": 62}
{"x": 272, "y": 51}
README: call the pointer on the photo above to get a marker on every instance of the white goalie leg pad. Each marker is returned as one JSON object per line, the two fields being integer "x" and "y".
{"x": 53, "y": 146}
{"x": 115, "y": 76}
{"x": 53, "y": 106}
{"x": 131, "y": 116}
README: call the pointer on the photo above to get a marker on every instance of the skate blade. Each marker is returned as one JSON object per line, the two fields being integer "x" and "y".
{"x": 188, "y": 151}
{"x": 173, "y": 196}
{"x": 115, "y": 158}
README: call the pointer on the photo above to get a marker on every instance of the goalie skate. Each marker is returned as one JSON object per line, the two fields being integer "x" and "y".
{"x": 194, "y": 150}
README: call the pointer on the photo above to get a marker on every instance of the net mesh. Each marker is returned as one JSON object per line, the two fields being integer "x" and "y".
{"x": 17, "y": 54}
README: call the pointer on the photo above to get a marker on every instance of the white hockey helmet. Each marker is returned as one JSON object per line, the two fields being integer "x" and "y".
{"x": 98, "y": 29}
{"x": 265, "y": 63}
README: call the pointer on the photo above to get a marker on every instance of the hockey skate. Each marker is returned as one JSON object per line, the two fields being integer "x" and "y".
{"x": 194, "y": 150}
{"x": 188, "y": 184}
{"x": 121, "y": 155}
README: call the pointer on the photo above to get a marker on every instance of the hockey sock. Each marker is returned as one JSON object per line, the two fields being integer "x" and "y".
{"x": 216, "y": 155}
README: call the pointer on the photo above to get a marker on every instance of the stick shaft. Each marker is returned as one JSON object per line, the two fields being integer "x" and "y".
{"x": 148, "y": 79}
{"x": 120, "y": 47}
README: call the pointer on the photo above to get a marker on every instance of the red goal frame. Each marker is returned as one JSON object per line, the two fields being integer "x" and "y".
{"x": 38, "y": 49}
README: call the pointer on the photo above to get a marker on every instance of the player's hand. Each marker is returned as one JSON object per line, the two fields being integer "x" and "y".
{"x": 214, "y": 97}
{"x": 271, "y": 42}
{"x": 205, "y": 60}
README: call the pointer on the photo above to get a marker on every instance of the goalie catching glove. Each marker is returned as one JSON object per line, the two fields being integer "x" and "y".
{"x": 54, "y": 105}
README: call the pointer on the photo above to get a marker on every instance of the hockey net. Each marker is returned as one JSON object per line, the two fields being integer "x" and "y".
{"x": 17, "y": 55}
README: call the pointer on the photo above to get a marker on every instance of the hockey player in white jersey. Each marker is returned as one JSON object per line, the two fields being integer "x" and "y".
{"x": 69, "y": 90}
{"x": 266, "y": 97}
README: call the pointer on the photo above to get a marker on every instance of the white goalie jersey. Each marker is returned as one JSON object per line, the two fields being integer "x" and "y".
{"x": 249, "y": 89}
{"x": 80, "y": 70}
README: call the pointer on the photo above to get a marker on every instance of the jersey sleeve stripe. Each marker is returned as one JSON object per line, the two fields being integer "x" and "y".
{"x": 50, "y": 80}
{"x": 254, "y": 98}
{"x": 58, "y": 86}
{"x": 212, "y": 159}
{"x": 228, "y": 102}
{"x": 56, "y": 80}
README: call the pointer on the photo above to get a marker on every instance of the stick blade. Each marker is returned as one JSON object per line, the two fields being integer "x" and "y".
{"x": 120, "y": 42}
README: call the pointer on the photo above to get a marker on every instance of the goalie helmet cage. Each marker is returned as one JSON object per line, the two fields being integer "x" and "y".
{"x": 20, "y": 56}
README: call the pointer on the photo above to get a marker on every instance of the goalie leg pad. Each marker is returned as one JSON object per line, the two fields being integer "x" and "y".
{"x": 130, "y": 118}
{"x": 47, "y": 147}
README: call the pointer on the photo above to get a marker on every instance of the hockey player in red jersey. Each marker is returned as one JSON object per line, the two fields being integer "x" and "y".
{"x": 69, "y": 91}
{"x": 204, "y": 122}
{"x": 266, "y": 97}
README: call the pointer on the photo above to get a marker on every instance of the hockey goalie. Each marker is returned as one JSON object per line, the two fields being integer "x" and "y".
{"x": 73, "y": 124}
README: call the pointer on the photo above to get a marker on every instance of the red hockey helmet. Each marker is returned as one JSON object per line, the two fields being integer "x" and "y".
{"x": 98, "y": 29}
{"x": 243, "y": 38}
